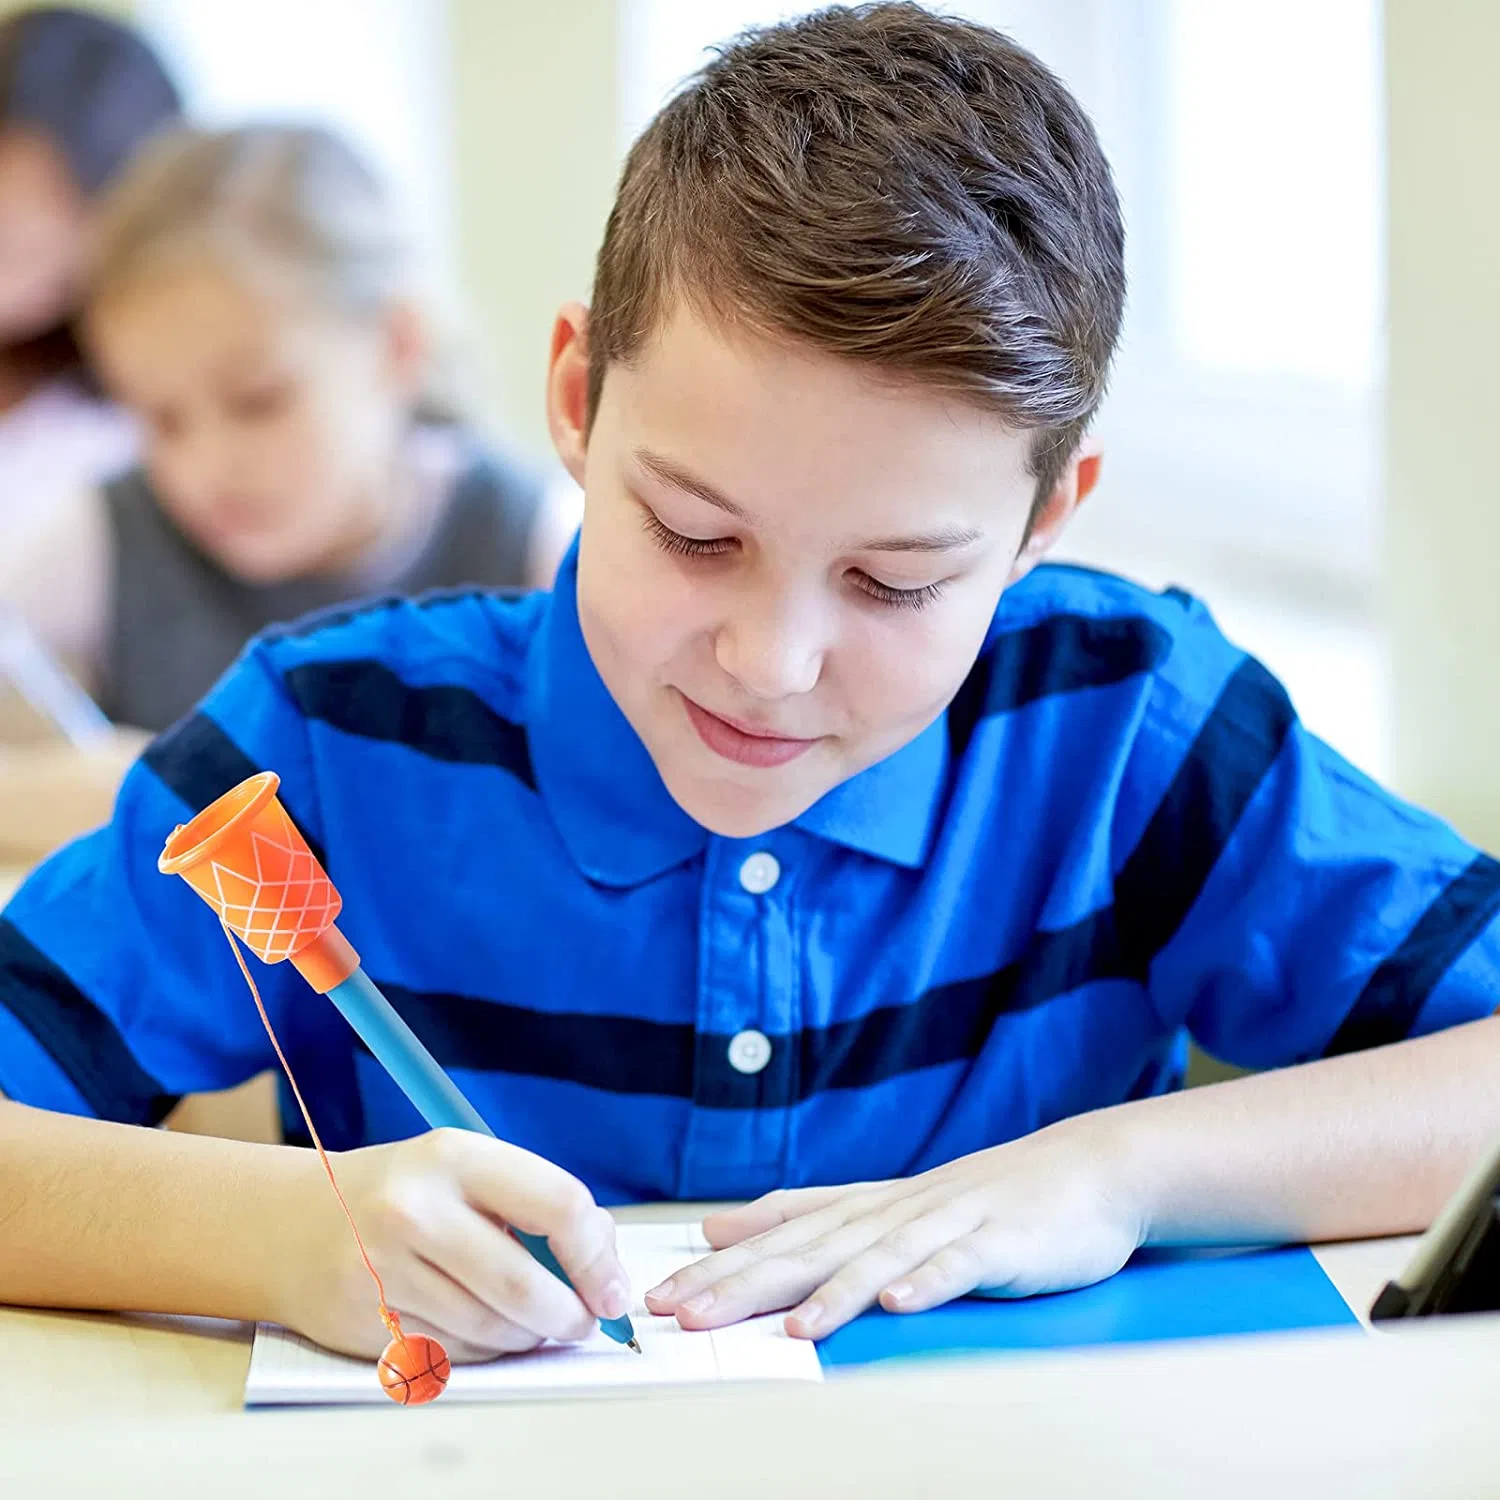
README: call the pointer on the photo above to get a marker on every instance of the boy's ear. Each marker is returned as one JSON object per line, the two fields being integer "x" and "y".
{"x": 1090, "y": 460}
{"x": 1073, "y": 487}
{"x": 568, "y": 387}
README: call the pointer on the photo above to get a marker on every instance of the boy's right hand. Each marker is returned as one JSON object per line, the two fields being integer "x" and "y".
{"x": 432, "y": 1212}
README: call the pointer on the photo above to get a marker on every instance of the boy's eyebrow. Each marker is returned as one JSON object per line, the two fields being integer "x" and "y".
{"x": 668, "y": 472}
{"x": 942, "y": 539}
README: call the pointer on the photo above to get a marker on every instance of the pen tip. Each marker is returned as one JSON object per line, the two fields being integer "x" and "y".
{"x": 634, "y": 1344}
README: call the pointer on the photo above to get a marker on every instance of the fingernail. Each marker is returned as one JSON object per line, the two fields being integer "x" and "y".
{"x": 810, "y": 1316}
{"x": 899, "y": 1291}
{"x": 701, "y": 1303}
{"x": 661, "y": 1293}
{"x": 614, "y": 1301}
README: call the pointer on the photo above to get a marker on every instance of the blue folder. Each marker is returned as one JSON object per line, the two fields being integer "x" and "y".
{"x": 1160, "y": 1294}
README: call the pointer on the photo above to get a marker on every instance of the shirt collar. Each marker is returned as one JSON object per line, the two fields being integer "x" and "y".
{"x": 613, "y": 811}
{"x": 890, "y": 810}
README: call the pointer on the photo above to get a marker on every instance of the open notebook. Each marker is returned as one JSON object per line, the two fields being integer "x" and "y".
{"x": 288, "y": 1370}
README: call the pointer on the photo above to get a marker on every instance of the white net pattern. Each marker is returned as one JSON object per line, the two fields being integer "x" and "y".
{"x": 285, "y": 901}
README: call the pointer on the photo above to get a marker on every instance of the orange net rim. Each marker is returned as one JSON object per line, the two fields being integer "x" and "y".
{"x": 191, "y": 843}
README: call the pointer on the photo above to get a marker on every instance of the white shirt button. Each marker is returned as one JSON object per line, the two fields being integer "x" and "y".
{"x": 749, "y": 1052}
{"x": 759, "y": 873}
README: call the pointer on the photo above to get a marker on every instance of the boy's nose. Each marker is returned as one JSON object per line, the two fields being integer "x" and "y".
{"x": 771, "y": 654}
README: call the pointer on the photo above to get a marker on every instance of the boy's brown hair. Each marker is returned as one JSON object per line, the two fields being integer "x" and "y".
{"x": 890, "y": 186}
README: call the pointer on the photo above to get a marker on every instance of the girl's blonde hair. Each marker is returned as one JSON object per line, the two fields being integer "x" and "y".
{"x": 289, "y": 198}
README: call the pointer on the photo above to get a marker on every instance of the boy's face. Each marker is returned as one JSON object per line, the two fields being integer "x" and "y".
{"x": 788, "y": 563}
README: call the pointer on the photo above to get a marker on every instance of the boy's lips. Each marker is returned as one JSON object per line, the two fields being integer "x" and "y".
{"x": 739, "y": 742}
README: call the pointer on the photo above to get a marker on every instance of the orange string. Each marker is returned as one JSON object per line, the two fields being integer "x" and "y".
{"x": 390, "y": 1318}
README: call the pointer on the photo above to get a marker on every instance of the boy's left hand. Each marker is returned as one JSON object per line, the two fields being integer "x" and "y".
{"x": 1041, "y": 1214}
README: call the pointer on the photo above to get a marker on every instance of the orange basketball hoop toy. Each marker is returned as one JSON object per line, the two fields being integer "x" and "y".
{"x": 247, "y": 859}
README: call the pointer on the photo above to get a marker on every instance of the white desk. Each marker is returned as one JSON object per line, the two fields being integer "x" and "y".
{"x": 152, "y": 1406}
{"x": 56, "y": 1365}
{"x": 1405, "y": 1414}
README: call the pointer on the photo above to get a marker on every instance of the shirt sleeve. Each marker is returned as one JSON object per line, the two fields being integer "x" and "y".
{"x": 118, "y": 992}
{"x": 1284, "y": 907}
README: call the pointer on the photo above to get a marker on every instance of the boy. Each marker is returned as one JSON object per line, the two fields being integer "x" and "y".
{"x": 770, "y": 851}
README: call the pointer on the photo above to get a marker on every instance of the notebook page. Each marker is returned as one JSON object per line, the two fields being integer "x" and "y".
{"x": 286, "y": 1369}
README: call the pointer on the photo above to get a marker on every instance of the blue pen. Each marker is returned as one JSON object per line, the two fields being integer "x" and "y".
{"x": 251, "y": 864}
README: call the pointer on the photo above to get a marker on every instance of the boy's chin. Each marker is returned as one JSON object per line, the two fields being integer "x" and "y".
{"x": 741, "y": 812}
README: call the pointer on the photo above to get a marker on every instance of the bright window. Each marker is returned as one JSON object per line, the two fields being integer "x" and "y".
{"x": 1273, "y": 186}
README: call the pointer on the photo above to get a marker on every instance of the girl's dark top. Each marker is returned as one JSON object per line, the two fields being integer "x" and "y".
{"x": 178, "y": 620}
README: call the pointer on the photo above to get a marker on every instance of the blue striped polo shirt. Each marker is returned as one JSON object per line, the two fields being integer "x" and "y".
{"x": 1117, "y": 835}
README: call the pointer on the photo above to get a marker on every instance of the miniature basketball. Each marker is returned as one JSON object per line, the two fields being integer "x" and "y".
{"x": 414, "y": 1369}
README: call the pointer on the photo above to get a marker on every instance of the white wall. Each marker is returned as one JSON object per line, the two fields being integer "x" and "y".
{"x": 535, "y": 155}
{"x": 1442, "y": 543}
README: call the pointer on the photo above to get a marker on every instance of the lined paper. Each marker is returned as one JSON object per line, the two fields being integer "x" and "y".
{"x": 289, "y": 1370}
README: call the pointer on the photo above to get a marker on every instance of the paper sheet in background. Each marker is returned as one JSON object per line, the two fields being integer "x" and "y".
{"x": 287, "y": 1370}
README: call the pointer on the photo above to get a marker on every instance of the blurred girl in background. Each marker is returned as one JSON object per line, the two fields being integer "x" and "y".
{"x": 79, "y": 94}
{"x": 251, "y": 299}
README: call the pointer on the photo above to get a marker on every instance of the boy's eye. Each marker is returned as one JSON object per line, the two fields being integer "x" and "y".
{"x": 691, "y": 546}
{"x": 918, "y": 598}
{"x": 683, "y": 546}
